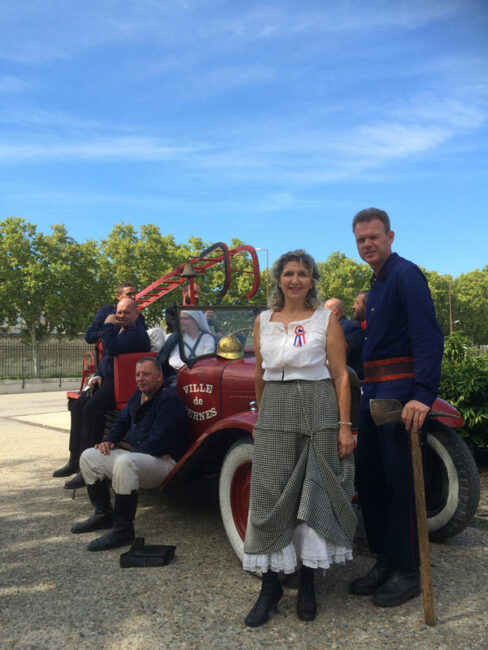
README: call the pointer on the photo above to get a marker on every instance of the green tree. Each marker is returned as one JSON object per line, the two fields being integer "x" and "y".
{"x": 341, "y": 277}
{"x": 46, "y": 281}
{"x": 440, "y": 286}
{"x": 470, "y": 304}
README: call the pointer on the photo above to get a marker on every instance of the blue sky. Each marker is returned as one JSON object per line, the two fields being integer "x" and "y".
{"x": 273, "y": 122}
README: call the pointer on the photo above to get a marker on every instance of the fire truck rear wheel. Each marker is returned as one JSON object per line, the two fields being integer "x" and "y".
{"x": 452, "y": 485}
{"x": 234, "y": 484}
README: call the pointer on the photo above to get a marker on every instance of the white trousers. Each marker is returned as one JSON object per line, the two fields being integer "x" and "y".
{"x": 128, "y": 470}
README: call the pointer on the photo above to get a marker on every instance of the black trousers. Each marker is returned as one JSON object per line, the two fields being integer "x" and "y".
{"x": 385, "y": 490}
{"x": 88, "y": 418}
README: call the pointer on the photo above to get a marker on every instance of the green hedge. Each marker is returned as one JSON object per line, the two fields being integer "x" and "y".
{"x": 464, "y": 383}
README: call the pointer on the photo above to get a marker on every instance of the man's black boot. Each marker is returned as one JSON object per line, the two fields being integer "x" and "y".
{"x": 122, "y": 531}
{"x": 269, "y": 597}
{"x": 375, "y": 577}
{"x": 71, "y": 467}
{"x": 402, "y": 584}
{"x": 75, "y": 483}
{"x": 306, "y": 604}
{"x": 103, "y": 517}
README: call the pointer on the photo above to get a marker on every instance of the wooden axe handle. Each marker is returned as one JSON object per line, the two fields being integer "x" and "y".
{"x": 423, "y": 535}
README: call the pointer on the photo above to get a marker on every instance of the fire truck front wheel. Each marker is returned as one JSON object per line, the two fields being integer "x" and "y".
{"x": 234, "y": 484}
{"x": 452, "y": 485}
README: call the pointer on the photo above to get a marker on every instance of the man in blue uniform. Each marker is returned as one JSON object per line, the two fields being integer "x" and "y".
{"x": 95, "y": 330}
{"x": 353, "y": 334}
{"x": 402, "y": 357}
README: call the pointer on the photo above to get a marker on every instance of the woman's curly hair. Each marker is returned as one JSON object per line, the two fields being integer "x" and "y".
{"x": 277, "y": 300}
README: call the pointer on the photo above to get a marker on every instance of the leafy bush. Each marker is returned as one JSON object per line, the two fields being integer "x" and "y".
{"x": 464, "y": 383}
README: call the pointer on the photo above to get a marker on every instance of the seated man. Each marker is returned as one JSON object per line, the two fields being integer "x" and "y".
{"x": 121, "y": 333}
{"x": 140, "y": 450}
{"x": 353, "y": 334}
{"x": 95, "y": 330}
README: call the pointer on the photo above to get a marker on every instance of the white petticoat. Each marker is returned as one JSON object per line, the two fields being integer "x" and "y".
{"x": 313, "y": 550}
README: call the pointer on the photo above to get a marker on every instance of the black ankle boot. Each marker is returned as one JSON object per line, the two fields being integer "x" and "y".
{"x": 402, "y": 584}
{"x": 99, "y": 494}
{"x": 75, "y": 483}
{"x": 122, "y": 531}
{"x": 71, "y": 467}
{"x": 306, "y": 604}
{"x": 269, "y": 597}
{"x": 375, "y": 577}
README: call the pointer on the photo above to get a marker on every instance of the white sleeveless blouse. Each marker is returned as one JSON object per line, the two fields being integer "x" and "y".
{"x": 298, "y": 353}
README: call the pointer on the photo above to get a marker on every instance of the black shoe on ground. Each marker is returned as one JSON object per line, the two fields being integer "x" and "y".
{"x": 375, "y": 577}
{"x": 70, "y": 468}
{"x": 114, "y": 538}
{"x": 97, "y": 521}
{"x": 122, "y": 531}
{"x": 268, "y": 599}
{"x": 402, "y": 585}
{"x": 75, "y": 483}
{"x": 306, "y": 603}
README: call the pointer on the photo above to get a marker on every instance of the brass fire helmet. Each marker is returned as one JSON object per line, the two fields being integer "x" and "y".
{"x": 230, "y": 347}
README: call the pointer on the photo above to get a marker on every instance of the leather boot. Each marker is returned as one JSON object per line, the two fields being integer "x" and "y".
{"x": 71, "y": 467}
{"x": 306, "y": 604}
{"x": 375, "y": 577}
{"x": 99, "y": 494}
{"x": 122, "y": 531}
{"x": 402, "y": 584}
{"x": 269, "y": 597}
{"x": 76, "y": 482}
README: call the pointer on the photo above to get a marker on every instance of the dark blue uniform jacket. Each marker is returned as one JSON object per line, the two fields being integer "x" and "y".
{"x": 354, "y": 335}
{"x": 132, "y": 339}
{"x": 95, "y": 331}
{"x": 156, "y": 427}
{"x": 401, "y": 322}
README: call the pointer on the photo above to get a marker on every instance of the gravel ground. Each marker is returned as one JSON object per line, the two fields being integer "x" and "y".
{"x": 54, "y": 594}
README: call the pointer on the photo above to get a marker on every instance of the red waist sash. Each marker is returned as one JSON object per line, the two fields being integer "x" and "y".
{"x": 389, "y": 369}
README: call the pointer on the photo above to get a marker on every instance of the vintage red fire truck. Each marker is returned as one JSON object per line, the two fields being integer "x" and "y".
{"x": 219, "y": 396}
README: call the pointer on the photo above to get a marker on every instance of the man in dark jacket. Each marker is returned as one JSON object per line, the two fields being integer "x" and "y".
{"x": 353, "y": 334}
{"x": 121, "y": 333}
{"x": 402, "y": 357}
{"x": 140, "y": 450}
{"x": 95, "y": 330}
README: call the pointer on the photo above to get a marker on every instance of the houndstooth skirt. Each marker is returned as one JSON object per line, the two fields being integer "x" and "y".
{"x": 297, "y": 475}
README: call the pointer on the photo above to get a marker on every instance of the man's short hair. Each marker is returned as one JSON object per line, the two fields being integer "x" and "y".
{"x": 152, "y": 360}
{"x": 122, "y": 285}
{"x": 365, "y": 294}
{"x": 368, "y": 214}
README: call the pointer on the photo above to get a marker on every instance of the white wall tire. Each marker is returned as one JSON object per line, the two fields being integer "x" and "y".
{"x": 452, "y": 486}
{"x": 234, "y": 483}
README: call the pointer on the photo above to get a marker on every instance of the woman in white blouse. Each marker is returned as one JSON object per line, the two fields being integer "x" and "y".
{"x": 300, "y": 511}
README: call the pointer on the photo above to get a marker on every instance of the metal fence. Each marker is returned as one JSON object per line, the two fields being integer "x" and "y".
{"x": 49, "y": 359}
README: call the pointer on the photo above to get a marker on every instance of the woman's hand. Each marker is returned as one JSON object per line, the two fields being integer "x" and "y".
{"x": 345, "y": 440}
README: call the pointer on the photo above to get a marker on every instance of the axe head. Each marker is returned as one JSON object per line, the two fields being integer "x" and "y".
{"x": 385, "y": 411}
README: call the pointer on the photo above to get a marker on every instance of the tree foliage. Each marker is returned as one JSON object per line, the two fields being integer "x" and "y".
{"x": 341, "y": 277}
{"x": 464, "y": 383}
{"x": 51, "y": 283}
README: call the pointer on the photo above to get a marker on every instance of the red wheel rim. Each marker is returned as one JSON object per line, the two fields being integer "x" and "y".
{"x": 239, "y": 497}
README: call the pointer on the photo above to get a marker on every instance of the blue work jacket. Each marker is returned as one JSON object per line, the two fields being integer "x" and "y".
{"x": 132, "y": 339}
{"x": 95, "y": 330}
{"x": 401, "y": 322}
{"x": 354, "y": 335}
{"x": 156, "y": 427}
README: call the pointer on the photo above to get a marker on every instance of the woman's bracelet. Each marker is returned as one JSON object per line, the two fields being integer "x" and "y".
{"x": 348, "y": 423}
